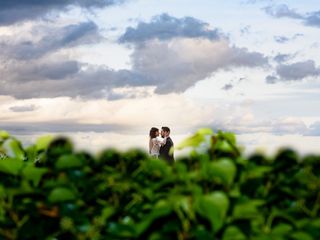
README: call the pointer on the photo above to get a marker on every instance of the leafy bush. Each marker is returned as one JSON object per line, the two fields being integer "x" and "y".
{"x": 49, "y": 191}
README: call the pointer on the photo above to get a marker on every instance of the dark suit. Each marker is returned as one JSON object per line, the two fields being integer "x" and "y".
{"x": 165, "y": 149}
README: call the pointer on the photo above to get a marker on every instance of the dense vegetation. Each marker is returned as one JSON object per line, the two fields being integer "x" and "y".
{"x": 49, "y": 191}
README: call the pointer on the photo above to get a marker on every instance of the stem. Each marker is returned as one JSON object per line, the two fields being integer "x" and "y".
{"x": 316, "y": 206}
{"x": 305, "y": 209}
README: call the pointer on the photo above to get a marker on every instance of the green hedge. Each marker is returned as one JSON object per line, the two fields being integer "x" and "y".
{"x": 49, "y": 191}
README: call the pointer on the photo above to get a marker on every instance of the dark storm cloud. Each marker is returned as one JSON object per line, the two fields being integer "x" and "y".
{"x": 13, "y": 11}
{"x": 164, "y": 27}
{"x": 53, "y": 39}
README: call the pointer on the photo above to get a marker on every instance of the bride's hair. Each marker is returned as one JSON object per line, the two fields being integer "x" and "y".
{"x": 153, "y": 131}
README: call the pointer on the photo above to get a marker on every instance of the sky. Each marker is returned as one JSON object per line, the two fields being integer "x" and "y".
{"x": 103, "y": 72}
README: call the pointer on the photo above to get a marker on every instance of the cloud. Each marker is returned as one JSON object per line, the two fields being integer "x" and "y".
{"x": 295, "y": 71}
{"x": 227, "y": 87}
{"x": 280, "y": 58}
{"x": 314, "y": 129}
{"x": 33, "y": 71}
{"x": 29, "y": 128}
{"x": 23, "y": 108}
{"x": 244, "y": 125}
{"x": 288, "y": 125}
{"x": 284, "y": 39}
{"x": 41, "y": 68}
{"x": 169, "y": 63}
{"x": 176, "y": 65}
{"x": 281, "y": 39}
{"x": 245, "y": 30}
{"x": 53, "y": 40}
{"x": 68, "y": 78}
{"x": 175, "y": 53}
{"x": 14, "y": 11}
{"x": 313, "y": 19}
{"x": 255, "y": 1}
{"x": 165, "y": 27}
{"x": 93, "y": 115}
{"x": 282, "y": 10}
{"x": 298, "y": 71}
{"x": 271, "y": 79}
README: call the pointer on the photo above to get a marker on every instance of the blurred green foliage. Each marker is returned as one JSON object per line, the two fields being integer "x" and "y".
{"x": 49, "y": 191}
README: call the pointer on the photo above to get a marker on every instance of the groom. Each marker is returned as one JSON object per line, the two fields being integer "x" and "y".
{"x": 165, "y": 149}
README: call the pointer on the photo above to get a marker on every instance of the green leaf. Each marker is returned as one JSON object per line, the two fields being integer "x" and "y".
{"x": 316, "y": 223}
{"x": 281, "y": 229}
{"x": 247, "y": 209}
{"x": 162, "y": 208}
{"x": 61, "y": 195}
{"x": 156, "y": 167}
{"x": 301, "y": 236}
{"x": 214, "y": 207}
{"x": 31, "y": 153}
{"x": 186, "y": 204}
{"x": 4, "y": 134}
{"x": 11, "y": 166}
{"x": 68, "y": 161}
{"x": 33, "y": 173}
{"x": 2, "y": 192}
{"x": 258, "y": 171}
{"x": 224, "y": 146}
{"x": 193, "y": 141}
{"x": 230, "y": 137}
{"x": 14, "y": 149}
{"x": 120, "y": 231}
{"x": 205, "y": 131}
{"x": 223, "y": 169}
{"x": 233, "y": 233}
{"x": 43, "y": 142}
{"x": 107, "y": 212}
{"x": 196, "y": 139}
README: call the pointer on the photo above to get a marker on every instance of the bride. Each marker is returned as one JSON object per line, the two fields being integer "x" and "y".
{"x": 155, "y": 142}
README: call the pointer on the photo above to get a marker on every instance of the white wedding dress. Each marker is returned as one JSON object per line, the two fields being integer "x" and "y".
{"x": 155, "y": 144}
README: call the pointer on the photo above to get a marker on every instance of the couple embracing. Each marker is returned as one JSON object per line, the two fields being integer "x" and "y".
{"x": 160, "y": 147}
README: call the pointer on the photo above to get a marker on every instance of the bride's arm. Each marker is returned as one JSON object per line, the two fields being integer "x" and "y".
{"x": 155, "y": 141}
{"x": 150, "y": 145}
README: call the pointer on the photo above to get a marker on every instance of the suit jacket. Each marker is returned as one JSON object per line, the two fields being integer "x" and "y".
{"x": 165, "y": 149}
